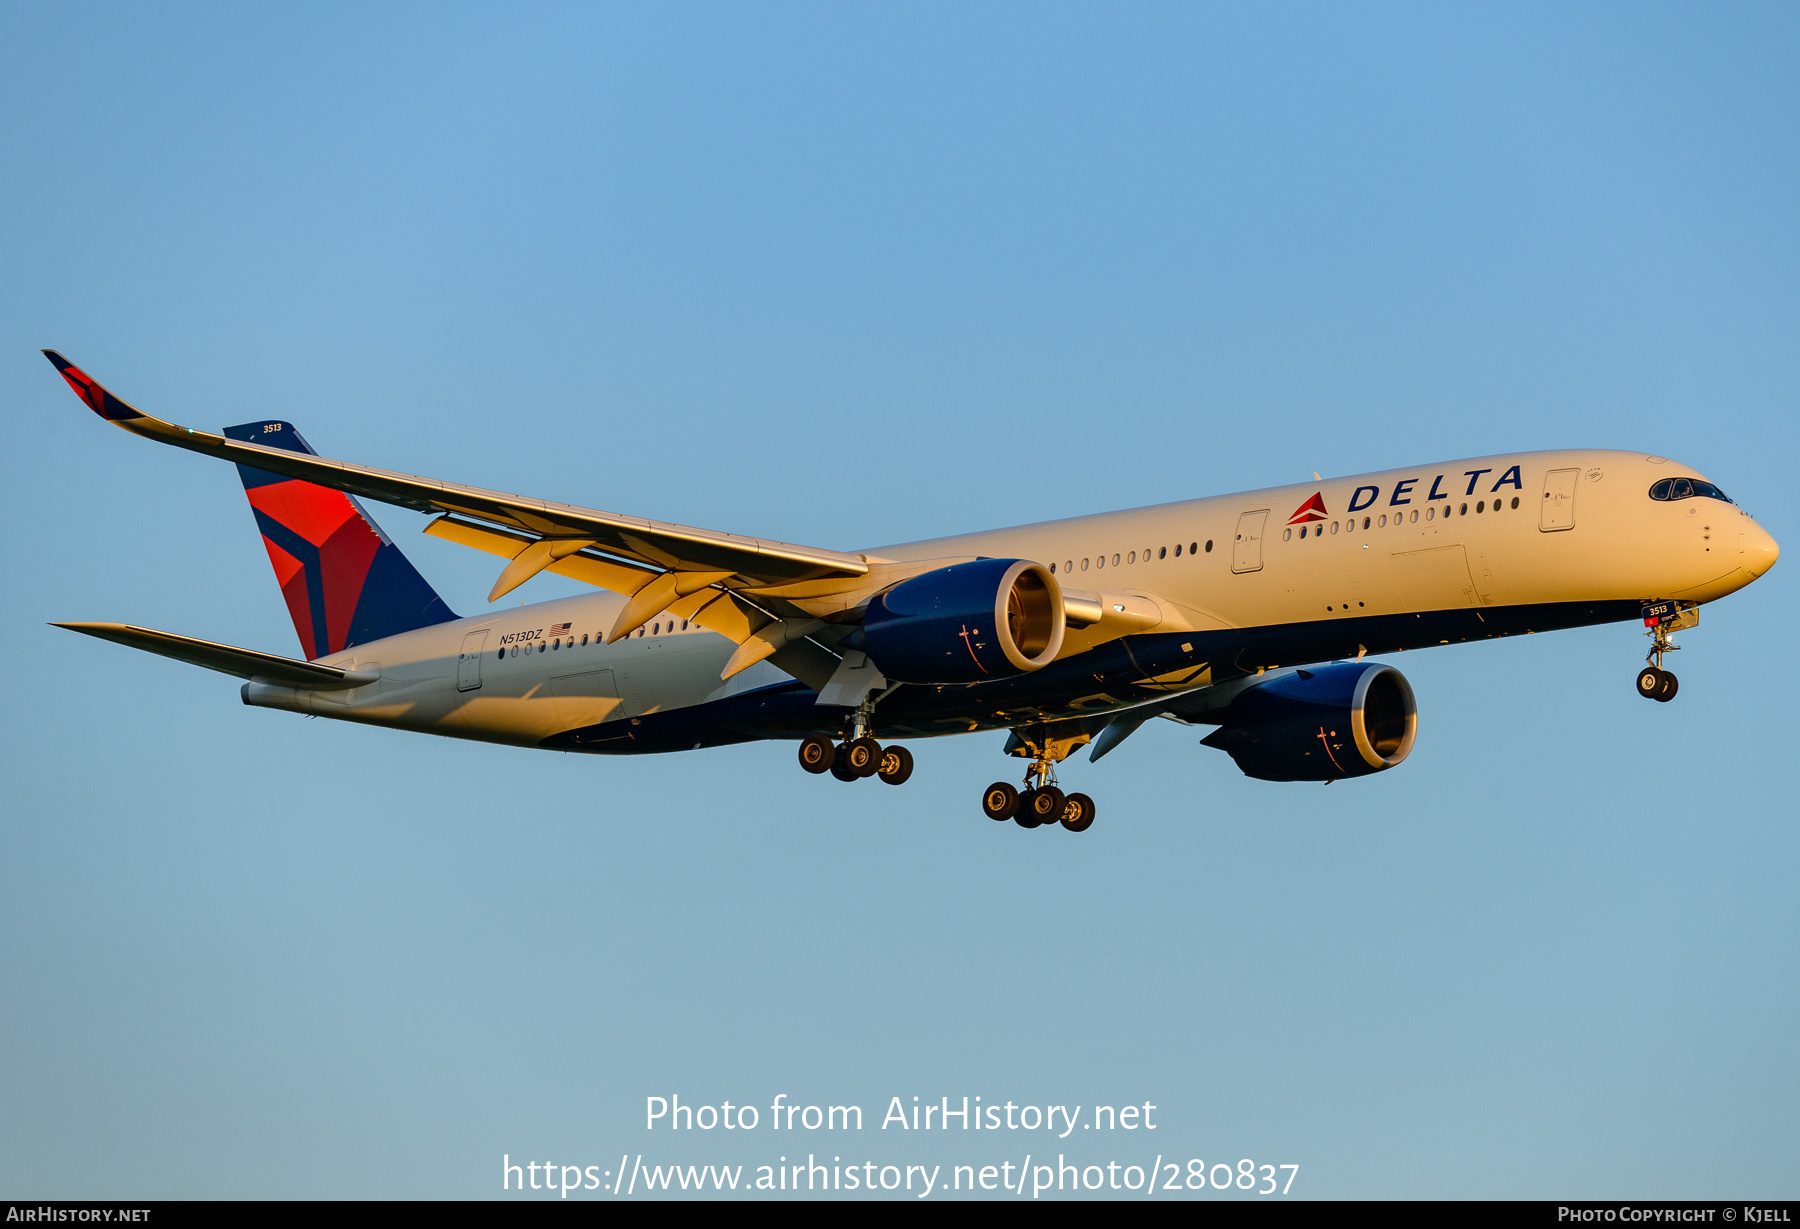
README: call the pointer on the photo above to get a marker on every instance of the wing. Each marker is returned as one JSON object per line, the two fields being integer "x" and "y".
{"x": 742, "y": 587}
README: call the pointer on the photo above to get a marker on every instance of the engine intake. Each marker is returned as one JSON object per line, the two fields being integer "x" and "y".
{"x": 1342, "y": 720}
{"x": 967, "y": 623}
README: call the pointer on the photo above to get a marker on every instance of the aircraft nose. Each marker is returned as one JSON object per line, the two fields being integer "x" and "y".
{"x": 1758, "y": 548}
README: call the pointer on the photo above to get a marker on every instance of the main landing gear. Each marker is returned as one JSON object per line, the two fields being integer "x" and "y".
{"x": 1040, "y": 803}
{"x": 855, "y": 759}
{"x": 1663, "y": 620}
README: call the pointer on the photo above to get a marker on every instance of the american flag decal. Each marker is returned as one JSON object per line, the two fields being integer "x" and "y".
{"x": 560, "y": 628}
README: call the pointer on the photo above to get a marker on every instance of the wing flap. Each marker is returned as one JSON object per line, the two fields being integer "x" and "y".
{"x": 226, "y": 659}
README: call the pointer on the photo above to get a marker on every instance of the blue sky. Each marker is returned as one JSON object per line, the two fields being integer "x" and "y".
{"x": 851, "y": 275}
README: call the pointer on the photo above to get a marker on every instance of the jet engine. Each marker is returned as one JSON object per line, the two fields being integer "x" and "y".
{"x": 967, "y": 623}
{"x": 1342, "y": 720}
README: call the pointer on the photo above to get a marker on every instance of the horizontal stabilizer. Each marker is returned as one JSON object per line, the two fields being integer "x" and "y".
{"x": 240, "y": 663}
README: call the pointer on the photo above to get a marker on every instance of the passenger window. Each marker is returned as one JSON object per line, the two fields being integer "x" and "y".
{"x": 1415, "y": 516}
{"x": 1381, "y": 521}
{"x": 502, "y": 654}
{"x": 1068, "y": 565}
{"x": 1303, "y": 533}
{"x": 1084, "y": 563}
{"x": 1464, "y": 511}
{"x": 1479, "y": 505}
{"x": 1178, "y": 550}
{"x": 1192, "y": 547}
{"x": 1515, "y": 502}
{"x": 1334, "y": 527}
{"x": 1365, "y": 522}
{"x": 1099, "y": 561}
{"x": 1209, "y": 546}
{"x": 1131, "y": 558}
{"x": 1052, "y": 567}
{"x": 1287, "y": 535}
{"x": 1430, "y": 512}
{"x": 1163, "y": 553}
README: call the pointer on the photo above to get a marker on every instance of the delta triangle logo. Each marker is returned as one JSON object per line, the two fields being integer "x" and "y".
{"x": 1312, "y": 510}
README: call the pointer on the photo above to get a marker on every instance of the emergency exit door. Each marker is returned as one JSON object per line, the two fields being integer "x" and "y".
{"x": 1558, "y": 511}
{"x": 1246, "y": 548}
{"x": 468, "y": 665}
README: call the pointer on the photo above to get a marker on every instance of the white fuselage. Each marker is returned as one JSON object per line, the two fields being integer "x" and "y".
{"x": 1509, "y": 531}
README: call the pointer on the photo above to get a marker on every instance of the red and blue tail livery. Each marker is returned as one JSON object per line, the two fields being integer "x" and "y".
{"x": 345, "y": 581}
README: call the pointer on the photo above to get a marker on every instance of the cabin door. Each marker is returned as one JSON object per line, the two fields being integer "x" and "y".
{"x": 468, "y": 664}
{"x": 1246, "y": 548}
{"x": 1559, "y": 500}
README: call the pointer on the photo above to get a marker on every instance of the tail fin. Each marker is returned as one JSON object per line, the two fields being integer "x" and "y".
{"x": 345, "y": 581}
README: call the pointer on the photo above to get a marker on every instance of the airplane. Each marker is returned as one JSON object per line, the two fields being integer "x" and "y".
{"x": 1229, "y": 611}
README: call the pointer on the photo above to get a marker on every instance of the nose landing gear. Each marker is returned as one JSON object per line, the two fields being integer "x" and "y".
{"x": 1654, "y": 683}
{"x": 1663, "y": 619}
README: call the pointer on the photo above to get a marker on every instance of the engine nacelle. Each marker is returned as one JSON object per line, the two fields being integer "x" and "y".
{"x": 967, "y": 623}
{"x": 1343, "y": 720}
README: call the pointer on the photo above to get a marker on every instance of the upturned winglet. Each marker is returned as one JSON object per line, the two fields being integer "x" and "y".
{"x": 122, "y": 414}
{"x": 89, "y": 390}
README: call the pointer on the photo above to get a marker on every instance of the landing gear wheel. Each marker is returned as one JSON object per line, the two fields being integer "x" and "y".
{"x": 1667, "y": 691}
{"x": 1026, "y": 814}
{"x": 1078, "y": 813}
{"x": 1650, "y": 682}
{"x": 1000, "y": 801}
{"x": 1045, "y": 804}
{"x": 895, "y": 765}
{"x": 840, "y": 768}
{"x": 863, "y": 756}
{"x": 817, "y": 754}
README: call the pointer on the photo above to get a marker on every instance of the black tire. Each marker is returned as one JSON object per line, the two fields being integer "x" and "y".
{"x": 895, "y": 765}
{"x": 1649, "y": 682}
{"x": 1078, "y": 813}
{"x": 1025, "y": 816}
{"x": 1046, "y": 804}
{"x": 817, "y": 754}
{"x": 1000, "y": 801}
{"x": 840, "y": 768}
{"x": 863, "y": 756}
{"x": 1669, "y": 688}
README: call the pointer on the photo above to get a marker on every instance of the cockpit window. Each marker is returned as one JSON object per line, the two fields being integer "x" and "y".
{"x": 1686, "y": 488}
